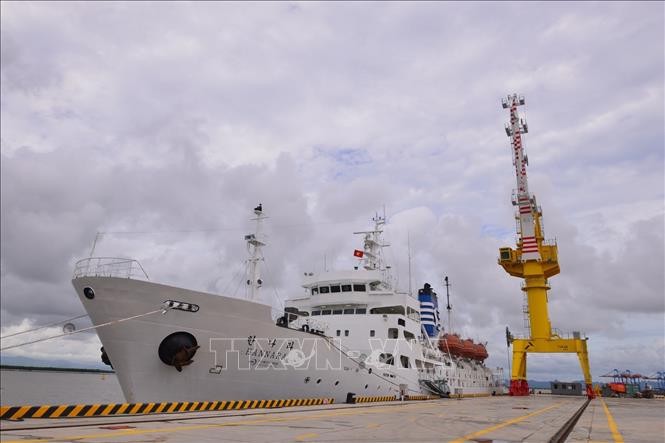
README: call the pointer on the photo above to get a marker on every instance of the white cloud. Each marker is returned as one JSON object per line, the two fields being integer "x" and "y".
{"x": 80, "y": 347}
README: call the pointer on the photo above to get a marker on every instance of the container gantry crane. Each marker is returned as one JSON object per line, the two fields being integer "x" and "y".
{"x": 534, "y": 260}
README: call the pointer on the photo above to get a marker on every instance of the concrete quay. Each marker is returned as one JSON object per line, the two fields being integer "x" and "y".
{"x": 533, "y": 419}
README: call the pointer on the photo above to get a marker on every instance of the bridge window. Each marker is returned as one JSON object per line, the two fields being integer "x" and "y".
{"x": 412, "y": 313}
{"x": 349, "y": 311}
{"x": 346, "y": 288}
{"x": 315, "y": 291}
{"x": 316, "y": 312}
{"x": 359, "y": 288}
{"x": 404, "y": 360}
{"x": 407, "y": 334}
{"x": 335, "y": 288}
{"x": 392, "y": 333}
{"x": 324, "y": 289}
{"x": 325, "y": 312}
{"x": 361, "y": 310}
{"x": 388, "y": 310}
{"x": 336, "y": 311}
{"x": 371, "y": 332}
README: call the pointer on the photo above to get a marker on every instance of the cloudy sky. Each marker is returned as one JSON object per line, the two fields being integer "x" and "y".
{"x": 163, "y": 124}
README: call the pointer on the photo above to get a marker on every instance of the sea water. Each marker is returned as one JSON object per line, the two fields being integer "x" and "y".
{"x": 51, "y": 387}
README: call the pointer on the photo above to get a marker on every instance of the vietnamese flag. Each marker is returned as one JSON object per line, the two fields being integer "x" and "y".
{"x": 358, "y": 253}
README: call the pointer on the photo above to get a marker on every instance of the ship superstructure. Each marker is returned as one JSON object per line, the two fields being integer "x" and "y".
{"x": 350, "y": 333}
{"x": 379, "y": 324}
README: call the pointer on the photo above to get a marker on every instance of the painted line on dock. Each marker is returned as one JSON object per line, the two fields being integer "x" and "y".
{"x": 505, "y": 423}
{"x": 616, "y": 435}
{"x": 61, "y": 411}
{"x": 297, "y": 417}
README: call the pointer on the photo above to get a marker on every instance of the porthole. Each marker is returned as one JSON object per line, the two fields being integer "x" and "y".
{"x": 318, "y": 381}
{"x": 366, "y": 386}
{"x": 337, "y": 382}
{"x": 89, "y": 293}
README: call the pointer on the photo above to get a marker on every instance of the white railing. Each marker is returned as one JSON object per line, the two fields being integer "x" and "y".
{"x": 110, "y": 267}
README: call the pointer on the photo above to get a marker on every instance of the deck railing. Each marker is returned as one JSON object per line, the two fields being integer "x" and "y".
{"x": 110, "y": 267}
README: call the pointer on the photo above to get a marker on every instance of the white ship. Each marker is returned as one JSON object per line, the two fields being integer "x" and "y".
{"x": 350, "y": 334}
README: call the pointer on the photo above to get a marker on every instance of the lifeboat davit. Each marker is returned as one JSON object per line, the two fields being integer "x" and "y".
{"x": 451, "y": 343}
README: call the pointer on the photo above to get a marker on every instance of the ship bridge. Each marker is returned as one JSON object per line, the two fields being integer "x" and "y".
{"x": 355, "y": 303}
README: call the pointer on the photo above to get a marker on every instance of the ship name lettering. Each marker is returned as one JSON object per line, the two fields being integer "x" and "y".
{"x": 261, "y": 353}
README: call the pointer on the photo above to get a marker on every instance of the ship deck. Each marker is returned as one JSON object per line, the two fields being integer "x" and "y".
{"x": 534, "y": 418}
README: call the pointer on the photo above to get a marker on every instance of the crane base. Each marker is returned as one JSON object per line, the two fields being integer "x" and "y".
{"x": 518, "y": 388}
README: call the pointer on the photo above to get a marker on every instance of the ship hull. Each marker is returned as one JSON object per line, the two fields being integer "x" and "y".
{"x": 243, "y": 354}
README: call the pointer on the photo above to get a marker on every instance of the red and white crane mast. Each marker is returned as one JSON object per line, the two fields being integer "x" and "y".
{"x": 521, "y": 198}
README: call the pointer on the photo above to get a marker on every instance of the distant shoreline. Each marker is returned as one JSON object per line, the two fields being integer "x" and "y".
{"x": 54, "y": 369}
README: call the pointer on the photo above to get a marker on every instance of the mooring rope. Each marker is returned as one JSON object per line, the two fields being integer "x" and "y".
{"x": 163, "y": 310}
{"x": 42, "y": 327}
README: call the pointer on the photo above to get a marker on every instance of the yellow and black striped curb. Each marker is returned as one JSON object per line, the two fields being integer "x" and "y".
{"x": 421, "y": 397}
{"x": 483, "y": 394}
{"x": 59, "y": 411}
{"x": 365, "y": 399}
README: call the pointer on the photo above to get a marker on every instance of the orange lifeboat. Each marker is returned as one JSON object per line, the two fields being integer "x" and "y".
{"x": 468, "y": 348}
{"x": 480, "y": 353}
{"x": 451, "y": 343}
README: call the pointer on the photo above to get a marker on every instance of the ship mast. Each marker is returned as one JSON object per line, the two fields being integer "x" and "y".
{"x": 448, "y": 307}
{"x": 372, "y": 249}
{"x": 535, "y": 260}
{"x": 255, "y": 243}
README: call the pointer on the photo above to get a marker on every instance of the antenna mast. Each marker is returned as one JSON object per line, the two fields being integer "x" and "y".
{"x": 255, "y": 242}
{"x": 408, "y": 243}
{"x": 448, "y": 307}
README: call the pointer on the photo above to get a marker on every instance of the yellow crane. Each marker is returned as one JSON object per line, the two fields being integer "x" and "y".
{"x": 534, "y": 260}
